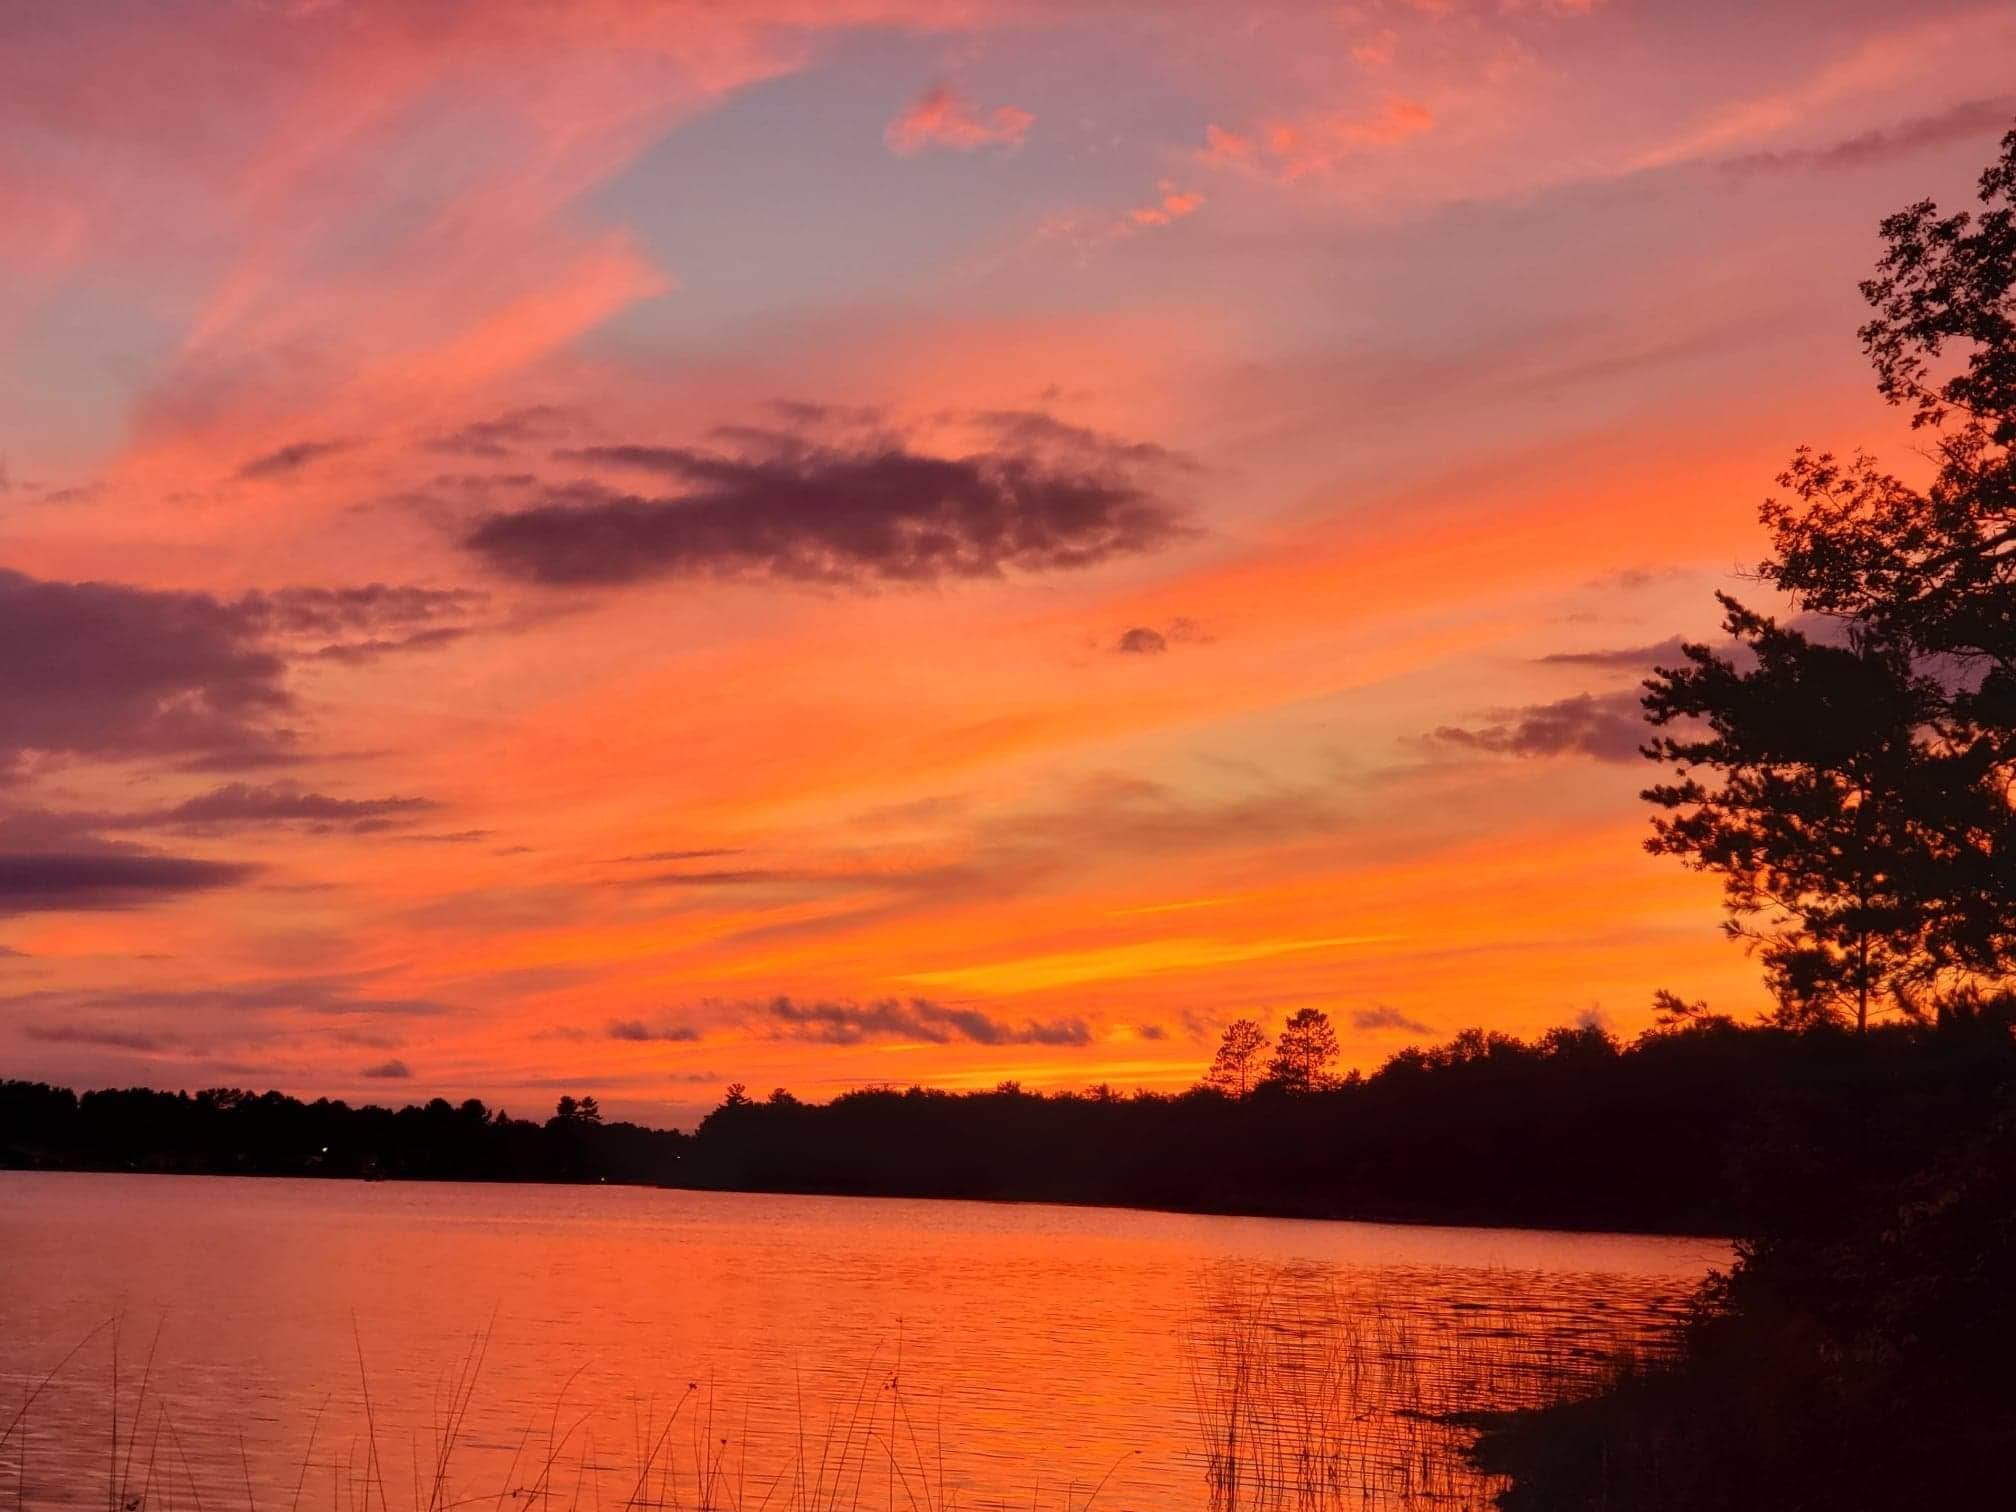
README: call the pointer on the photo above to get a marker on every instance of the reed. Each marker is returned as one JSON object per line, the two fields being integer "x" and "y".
{"x": 1310, "y": 1397}
{"x": 869, "y": 1448}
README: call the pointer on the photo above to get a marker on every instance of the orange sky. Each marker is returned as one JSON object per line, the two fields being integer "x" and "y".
{"x": 621, "y": 547}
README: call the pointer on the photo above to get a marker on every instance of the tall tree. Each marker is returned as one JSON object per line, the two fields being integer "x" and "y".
{"x": 1305, "y": 1052}
{"x": 1236, "y": 1067}
{"x": 1850, "y": 772}
{"x": 1819, "y": 768}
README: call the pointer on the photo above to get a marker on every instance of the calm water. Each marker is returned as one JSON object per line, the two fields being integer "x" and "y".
{"x": 1037, "y": 1345}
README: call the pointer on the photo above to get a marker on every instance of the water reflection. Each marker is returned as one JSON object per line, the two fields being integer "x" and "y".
{"x": 690, "y": 1349}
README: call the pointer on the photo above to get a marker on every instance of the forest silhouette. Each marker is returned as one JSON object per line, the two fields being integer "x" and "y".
{"x": 1701, "y": 1126}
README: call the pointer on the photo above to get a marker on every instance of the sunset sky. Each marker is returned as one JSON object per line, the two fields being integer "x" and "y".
{"x": 617, "y": 547}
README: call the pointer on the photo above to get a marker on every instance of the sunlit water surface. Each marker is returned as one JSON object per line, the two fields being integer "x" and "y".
{"x": 1032, "y": 1349}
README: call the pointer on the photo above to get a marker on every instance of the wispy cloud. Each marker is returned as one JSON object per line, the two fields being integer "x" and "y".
{"x": 1289, "y": 148}
{"x": 287, "y": 460}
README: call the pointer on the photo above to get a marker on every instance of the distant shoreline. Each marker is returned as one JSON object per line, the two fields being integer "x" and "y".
{"x": 1374, "y": 1219}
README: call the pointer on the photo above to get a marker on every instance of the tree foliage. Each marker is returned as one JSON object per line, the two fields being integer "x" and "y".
{"x": 1849, "y": 772}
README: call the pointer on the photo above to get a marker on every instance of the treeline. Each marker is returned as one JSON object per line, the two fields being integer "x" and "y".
{"x": 225, "y": 1131}
{"x": 1701, "y": 1127}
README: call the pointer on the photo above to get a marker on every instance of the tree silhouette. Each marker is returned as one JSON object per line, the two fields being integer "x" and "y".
{"x": 1848, "y": 773}
{"x": 1822, "y": 771}
{"x": 1236, "y": 1067}
{"x": 1304, "y": 1053}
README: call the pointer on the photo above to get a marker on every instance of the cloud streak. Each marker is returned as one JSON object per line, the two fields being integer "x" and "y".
{"x": 244, "y": 803}
{"x": 62, "y": 881}
{"x": 1981, "y": 119}
{"x": 638, "y": 1032}
{"x": 912, "y": 1020}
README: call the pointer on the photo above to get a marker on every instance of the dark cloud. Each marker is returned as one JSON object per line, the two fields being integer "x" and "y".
{"x": 1148, "y": 640}
{"x": 1382, "y": 1017}
{"x": 915, "y": 1020}
{"x": 115, "y": 672}
{"x": 804, "y": 510}
{"x": 60, "y": 881}
{"x": 1151, "y": 1031}
{"x": 1664, "y": 653}
{"x": 99, "y": 669}
{"x": 1606, "y": 726}
{"x": 391, "y": 1070}
{"x": 288, "y": 460}
{"x": 643, "y": 1033}
{"x": 94, "y": 1034}
{"x": 1983, "y": 119}
{"x": 680, "y": 855}
{"x": 245, "y": 803}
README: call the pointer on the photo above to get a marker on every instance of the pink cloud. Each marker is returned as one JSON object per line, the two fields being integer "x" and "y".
{"x": 1173, "y": 205}
{"x": 1315, "y": 143}
{"x": 940, "y": 118}
{"x": 1091, "y": 230}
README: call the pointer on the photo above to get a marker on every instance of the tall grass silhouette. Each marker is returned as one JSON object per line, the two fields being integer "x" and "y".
{"x": 869, "y": 1446}
{"x": 1307, "y": 1395}
{"x": 1316, "y": 1398}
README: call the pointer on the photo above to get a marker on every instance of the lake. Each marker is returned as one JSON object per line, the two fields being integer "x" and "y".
{"x": 825, "y": 1351}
